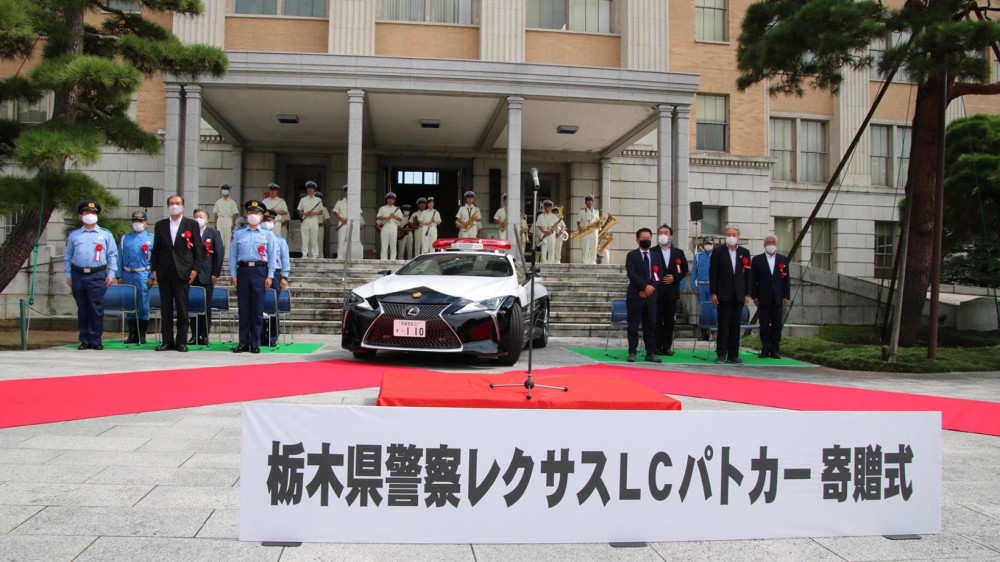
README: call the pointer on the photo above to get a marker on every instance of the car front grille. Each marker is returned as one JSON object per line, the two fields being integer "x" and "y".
{"x": 439, "y": 335}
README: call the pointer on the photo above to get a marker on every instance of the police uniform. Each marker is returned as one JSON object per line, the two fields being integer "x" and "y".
{"x": 224, "y": 210}
{"x": 546, "y": 224}
{"x": 389, "y": 216}
{"x": 253, "y": 258}
{"x": 278, "y": 205}
{"x": 134, "y": 269}
{"x": 588, "y": 242}
{"x": 269, "y": 330}
{"x": 699, "y": 277}
{"x": 468, "y": 214}
{"x": 430, "y": 234}
{"x": 309, "y": 205}
{"x": 90, "y": 262}
{"x": 405, "y": 250}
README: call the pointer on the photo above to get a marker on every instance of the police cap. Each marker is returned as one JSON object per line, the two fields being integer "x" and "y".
{"x": 269, "y": 215}
{"x": 588, "y": 198}
{"x": 390, "y": 195}
{"x": 254, "y": 205}
{"x": 548, "y": 203}
{"x": 311, "y": 184}
{"x": 470, "y": 194}
{"x": 139, "y": 216}
{"x": 421, "y": 200}
{"x": 273, "y": 187}
{"x": 93, "y": 206}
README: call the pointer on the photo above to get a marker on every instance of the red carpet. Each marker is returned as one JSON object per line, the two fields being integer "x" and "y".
{"x": 404, "y": 387}
{"x": 971, "y": 416}
{"x": 31, "y": 401}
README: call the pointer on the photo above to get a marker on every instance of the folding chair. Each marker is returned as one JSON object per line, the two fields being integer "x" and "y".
{"x": 285, "y": 311}
{"x": 155, "y": 304}
{"x": 121, "y": 300}
{"x": 710, "y": 327}
{"x": 197, "y": 307}
{"x": 619, "y": 321}
{"x": 220, "y": 307}
{"x": 271, "y": 309}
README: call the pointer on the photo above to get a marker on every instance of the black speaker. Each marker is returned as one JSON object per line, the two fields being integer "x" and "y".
{"x": 696, "y": 211}
{"x": 146, "y": 197}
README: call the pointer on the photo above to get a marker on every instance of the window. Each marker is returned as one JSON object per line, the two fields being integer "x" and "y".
{"x": 813, "y": 149}
{"x": 822, "y": 244}
{"x": 127, "y": 6}
{"x": 712, "y": 220}
{"x": 711, "y": 123}
{"x": 257, "y": 7}
{"x": 436, "y": 11}
{"x": 417, "y": 178}
{"x": 785, "y": 230}
{"x": 710, "y": 20}
{"x": 885, "y": 243}
{"x": 881, "y": 155}
{"x": 902, "y": 152}
{"x": 28, "y": 113}
{"x": 305, "y": 8}
{"x": 877, "y": 51}
{"x": 783, "y": 149}
{"x": 593, "y": 16}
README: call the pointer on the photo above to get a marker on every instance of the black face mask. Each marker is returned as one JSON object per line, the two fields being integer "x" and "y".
{"x": 645, "y": 244}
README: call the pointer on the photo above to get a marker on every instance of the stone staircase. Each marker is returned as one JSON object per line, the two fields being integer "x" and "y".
{"x": 581, "y": 295}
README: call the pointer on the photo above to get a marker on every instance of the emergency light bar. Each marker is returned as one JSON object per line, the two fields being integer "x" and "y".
{"x": 474, "y": 244}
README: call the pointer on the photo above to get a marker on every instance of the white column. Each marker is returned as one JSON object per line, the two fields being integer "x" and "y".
{"x": 681, "y": 155}
{"x": 848, "y": 114}
{"x": 645, "y": 31}
{"x": 664, "y": 170}
{"x": 356, "y": 107}
{"x": 191, "y": 179}
{"x": 514, "y": 198}
{"x": 352, "y": 27}
{"x": 172, "y": 140}
{"x": 605, "y": 186}
{"x": 236, "y": 181}
{"x": 209, "y": 28}
{"x": 501, "y": 30}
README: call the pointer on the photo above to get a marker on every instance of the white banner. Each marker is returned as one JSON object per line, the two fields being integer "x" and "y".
{"x": 435, "y": 475}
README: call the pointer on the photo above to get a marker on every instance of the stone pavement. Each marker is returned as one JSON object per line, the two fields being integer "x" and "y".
{"x": 164, "y": 485}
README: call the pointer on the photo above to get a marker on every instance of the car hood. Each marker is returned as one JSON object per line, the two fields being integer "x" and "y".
{"x": 472, "y": 288}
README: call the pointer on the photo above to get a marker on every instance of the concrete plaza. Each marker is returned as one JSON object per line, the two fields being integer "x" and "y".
{"x": 165, "y": 485}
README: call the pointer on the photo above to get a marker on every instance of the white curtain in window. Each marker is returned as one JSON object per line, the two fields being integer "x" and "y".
{"x": 546, "y": 14}
{"x": 783, "y": 148}
{"x": 451, "y": 11}
{"x": 880, "y": 154}
{"x": 259, "y": 7}
{"x": 403, "y": 10}
{"x": 710, "y": 20}
{"x": 902, "y": 150}
{"x": 813, "y": 150}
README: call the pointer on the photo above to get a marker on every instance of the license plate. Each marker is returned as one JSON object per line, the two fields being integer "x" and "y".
{"x": 409, "y": 328}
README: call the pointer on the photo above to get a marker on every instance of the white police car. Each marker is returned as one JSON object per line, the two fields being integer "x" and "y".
{"x": 468, "y": 296}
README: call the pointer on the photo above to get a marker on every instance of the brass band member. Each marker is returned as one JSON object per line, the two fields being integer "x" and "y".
{"x": 589, "y": 218}
{"x": 469, "y": 219}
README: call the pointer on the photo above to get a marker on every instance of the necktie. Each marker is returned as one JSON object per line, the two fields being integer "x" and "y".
{"x": 645, "y": 265}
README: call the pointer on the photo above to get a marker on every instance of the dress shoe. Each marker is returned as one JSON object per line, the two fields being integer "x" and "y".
{"x": 190, "y": 341}
{"x": 97, "y": 346}
{"x": 653, "y": 359}
{"x": 720, "y": 360}
{"x": 774, "y": 355}
{"x": 182, "y": 348}
{"x": 132, "y": 339}
{"x": 165, "y": 347}
{"x": 83, "y": 346}
{"x": 254, "y": 349}
{"x": 631, "y": 358}
{"x": 736, "y": 361}
{"x": 202, "y": 341}
{"x": 240, "y": 349}
{"x": 668, "y": 353}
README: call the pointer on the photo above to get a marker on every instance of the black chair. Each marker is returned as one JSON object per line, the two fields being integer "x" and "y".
{"x": 122, "y": 300}
{"x": 220, "y": 309}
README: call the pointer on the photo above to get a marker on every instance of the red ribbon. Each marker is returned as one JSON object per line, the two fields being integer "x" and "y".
{"x": 97, "y": 252}
{"x": 678, "y": 262}
{"x": 145, "y": 249}
{"x": 746, "y": 264}
{"x": 781, "y": 269}
{"x": 263, "y": 252}
{"x": 656, "y": 273}
{"x": 208, "y": 247}
{"x": 187, "y": 238}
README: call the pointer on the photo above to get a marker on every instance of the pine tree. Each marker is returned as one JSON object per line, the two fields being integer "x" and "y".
{"x": 792, "y": 43}
{"x": 92, "y": 73}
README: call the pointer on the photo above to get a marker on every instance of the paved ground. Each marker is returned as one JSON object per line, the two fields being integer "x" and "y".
{"x": 164, "y": 485}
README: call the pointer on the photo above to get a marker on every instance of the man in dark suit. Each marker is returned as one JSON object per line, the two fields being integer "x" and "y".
{"x": 176, "y": 259}
{"x": 645, "y": 270}
{"x": 676, "y": 268}
{"x": 770, "y": 289}
{"x": 729, "y": 281}
{"x": 211, "y": 268}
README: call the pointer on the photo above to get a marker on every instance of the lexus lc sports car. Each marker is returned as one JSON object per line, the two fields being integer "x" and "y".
{"x": 468, "y": 296}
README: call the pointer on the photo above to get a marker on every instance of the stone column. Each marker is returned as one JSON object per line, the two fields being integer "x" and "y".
{"x": 172, "y": 141}
{"x": 236, "y": 183}
{"x": 514, "y": 198}
{"x": 645, "y": 31}
{"x": 352, "y": 27}
{"x": 681, "y": 155}
{"x": 356, "y": 112}
{"x": 209, "y": 28}
{"x": 191, "y": 179}
{"x": 501, "y": 30}
{"x": 664, "y": 157}
{"x": 848, "y": 114}
{"x": 605, "y": 187}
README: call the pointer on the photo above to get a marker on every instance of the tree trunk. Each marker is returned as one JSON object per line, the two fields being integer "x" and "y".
{"x": 21, "y": 241}
{"x": 922, "y": 177}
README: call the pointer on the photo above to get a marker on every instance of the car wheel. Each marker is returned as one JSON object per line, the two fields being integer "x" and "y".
{"x": 365, "y": 354}
{"x": 515, "y": 338}
{"x": 543, "y": 339}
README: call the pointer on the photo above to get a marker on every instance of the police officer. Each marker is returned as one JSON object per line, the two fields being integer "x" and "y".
{"x": 269, "y": 331}
{"x": 707, "y": 314}
{"x": 134, "y": 269}
{"x": 278, "y": 205}
{"x": 253, "y": 259}
{"x": 387, "y": 221}
{"x": 310, "y": 210}
{"x": 469, "y": 219}
{"x": 90, "y": 263}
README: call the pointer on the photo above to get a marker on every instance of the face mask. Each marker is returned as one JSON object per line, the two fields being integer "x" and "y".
{"x": 253, "y": 219}
{"x": 138, "y": 227}
{"x": 89, "y": 219}
{"x": 770, "y": 250}
{"x": 708, "y": 248}
{"x": 732, "y": 240}
{"x": 269, "y": 225}
{"x": 663, "y": 239}
{"x": 225, "y": 192}
{"x": 175, "y": 210}
{"x": 645, "y": 244}
{"x": 201, "y": 222}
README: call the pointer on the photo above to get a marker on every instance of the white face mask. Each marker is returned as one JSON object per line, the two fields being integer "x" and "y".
{"x": 138, "y": 227}
{"x": 201, "y": 222}
{"x": 253, "y": 219}
{"x": 267, "y": 225}
{"x": 663, "y": 239}
{"x": 770, "y": 250}
{"x": 708, "y": 248}
{"x": 225, "y": 192}
{"x": 175, "y": 210}
{"x": 732, "y": 241}
{"x": 89, "y": 218}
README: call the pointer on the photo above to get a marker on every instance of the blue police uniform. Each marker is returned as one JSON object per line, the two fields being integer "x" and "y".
{"x": 253, "y": 258}
{"x": 271, "y": 331}
{"x": 699, "y": 276}
{"x": 134, "y": 269}
{"x": 91, "y": 258}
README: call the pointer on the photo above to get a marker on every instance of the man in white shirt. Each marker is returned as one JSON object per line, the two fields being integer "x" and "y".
{"x": 310, "y": 212}
{"x": 588, "y": 242}
{"x": 546, "y": 225}
{"x": 278, "y": 205}
{"x": 500, "y": 217}
{"x": 468, "y": 219}
{"x": 225, "y": 212}
{"x": 387, "y": 221}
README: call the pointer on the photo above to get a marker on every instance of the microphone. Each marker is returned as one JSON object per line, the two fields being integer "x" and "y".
{"x": 534, "y": 176}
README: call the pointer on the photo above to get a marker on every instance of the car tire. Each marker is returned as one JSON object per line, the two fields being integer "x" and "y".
{"x": 365, "y": 354}
{"x": 543, "y": 339}
{"x": 515, "y": 338}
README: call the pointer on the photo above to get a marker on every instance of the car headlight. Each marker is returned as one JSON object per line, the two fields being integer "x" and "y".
{"x": 482, "y": 306}
{"x": 355, "y": 300}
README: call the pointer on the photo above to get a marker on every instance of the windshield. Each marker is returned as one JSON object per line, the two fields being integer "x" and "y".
{"x": 444, "y": 263}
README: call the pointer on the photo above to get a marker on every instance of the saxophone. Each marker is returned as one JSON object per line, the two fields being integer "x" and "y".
{"x": 605, "y": 238}
{"x": 592, "y": 227}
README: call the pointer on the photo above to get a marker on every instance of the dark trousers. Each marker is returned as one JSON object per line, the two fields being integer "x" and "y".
{"x": 250, "y": 299}
{"x": 771, "y": 318}
{"x": 205, "y": 322}
{"x": 641, "y": 311}
{"x": 728, "y": 344}
{"x": 173, "y": 300}
{"x": 88, "y": 291}
{"x": 666, "y": 308}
